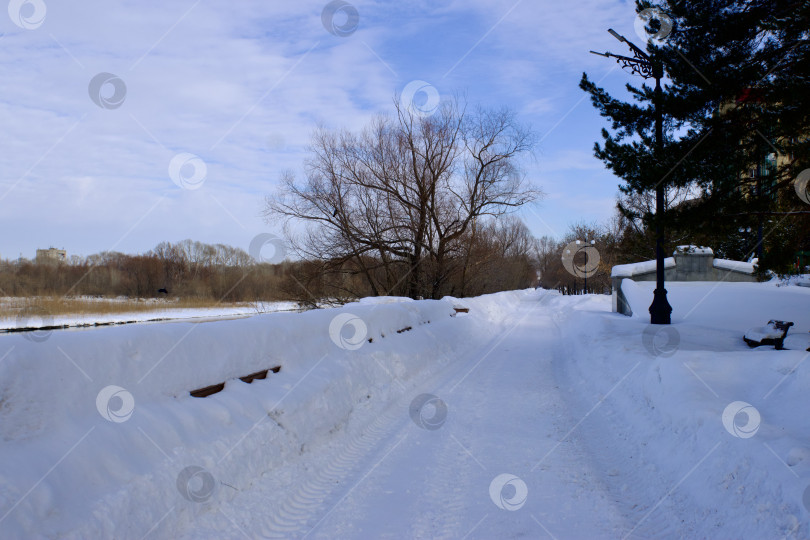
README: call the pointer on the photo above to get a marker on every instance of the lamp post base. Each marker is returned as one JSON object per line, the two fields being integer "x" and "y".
{"x": 660, "y": 310}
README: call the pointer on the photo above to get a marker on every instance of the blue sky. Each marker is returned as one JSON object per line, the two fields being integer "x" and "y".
{"x": 243, "y": 85}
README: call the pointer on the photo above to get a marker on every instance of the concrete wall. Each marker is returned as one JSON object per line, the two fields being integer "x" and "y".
{"x": 688, "y": 267}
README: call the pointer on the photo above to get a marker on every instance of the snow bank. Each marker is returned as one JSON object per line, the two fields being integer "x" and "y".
{"x": 729, "y": 306}
{"x": 650, "y": 407}
{"x": 634, "y": 269}
{"x": 665, "y": 412}
{"x": 738, "y": 266}
{"x": 78, "y": 463}
{"x": 797, "y": 342}
{"x": 801, "y": 280}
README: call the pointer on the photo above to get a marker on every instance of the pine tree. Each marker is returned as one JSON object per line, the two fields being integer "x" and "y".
{"x": 735, "y": 97}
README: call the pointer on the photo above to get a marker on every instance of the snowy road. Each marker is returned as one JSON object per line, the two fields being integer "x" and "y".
{"x": 506, "y": 414}
{"x": 395, "y": 479}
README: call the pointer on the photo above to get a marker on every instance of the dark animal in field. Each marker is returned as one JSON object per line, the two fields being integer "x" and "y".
{"x": 163, "y": 291}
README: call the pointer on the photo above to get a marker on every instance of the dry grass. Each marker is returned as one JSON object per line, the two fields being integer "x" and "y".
{"x": 55, "y": 306}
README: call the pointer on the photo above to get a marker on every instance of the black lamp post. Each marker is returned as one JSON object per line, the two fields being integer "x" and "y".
{"x": 643, "y": 65}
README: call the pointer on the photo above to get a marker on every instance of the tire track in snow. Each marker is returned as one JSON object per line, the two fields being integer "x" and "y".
{"x": 437, "y": 514}
{"x": 446, "y": 495}
{"x": 297, "y": 515}
{"x": 446, "y": 485}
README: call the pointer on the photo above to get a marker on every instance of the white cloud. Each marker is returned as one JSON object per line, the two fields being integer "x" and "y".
{"x": 242, "y": 85}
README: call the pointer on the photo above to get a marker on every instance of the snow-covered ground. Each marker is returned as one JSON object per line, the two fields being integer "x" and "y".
{"x": 535, "y": 415}
{"x": 11, "y": 317}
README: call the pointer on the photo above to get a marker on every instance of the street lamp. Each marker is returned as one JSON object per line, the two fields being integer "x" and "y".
{"x": 642, "y": 64}
{"x": 582, "y": 245}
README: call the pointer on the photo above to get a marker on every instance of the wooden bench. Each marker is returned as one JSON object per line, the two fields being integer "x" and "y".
{"x": 208, "y": 390}
{"x": 216, "y": 388}
{"x": 773, "y": 333}
{"x": 259, "y": 374}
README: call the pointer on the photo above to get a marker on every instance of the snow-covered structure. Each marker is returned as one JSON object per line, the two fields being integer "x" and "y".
{"x": 688, "y": 263}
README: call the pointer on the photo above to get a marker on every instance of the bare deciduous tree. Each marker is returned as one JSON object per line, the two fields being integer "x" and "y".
{"x": 396, "y": 202}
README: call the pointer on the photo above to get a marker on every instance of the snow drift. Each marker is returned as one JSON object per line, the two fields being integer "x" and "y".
{"x": 98, "y": 425}
{"x": 712, "y": 434}
{"x": 677, "y": 431}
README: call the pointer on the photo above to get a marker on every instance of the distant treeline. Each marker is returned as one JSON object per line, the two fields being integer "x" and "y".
{"x": 182, "y": 269}
{"x": 496, "y": 259}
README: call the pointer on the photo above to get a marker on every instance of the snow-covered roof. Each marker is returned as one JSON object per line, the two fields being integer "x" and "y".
{"x": 739, "y": 266}
{"x": 698, "y": 250}
{"x": 634, "y": 269}
{"x": 375, "y": 300}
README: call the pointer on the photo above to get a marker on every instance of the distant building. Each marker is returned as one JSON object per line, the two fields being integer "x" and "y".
{"x": 51, "y": 255}
{"x": 759, "y": 179}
